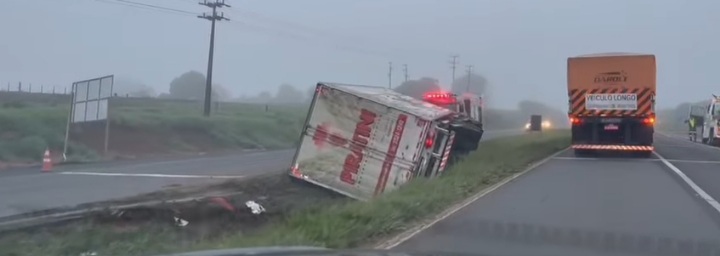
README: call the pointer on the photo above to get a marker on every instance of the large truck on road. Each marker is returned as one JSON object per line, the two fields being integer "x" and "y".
{"x": 612, "y": 102}
{"x": 363, "y": 141}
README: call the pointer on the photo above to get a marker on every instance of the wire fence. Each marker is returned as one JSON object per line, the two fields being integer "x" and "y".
{"x": 34, "y": 88}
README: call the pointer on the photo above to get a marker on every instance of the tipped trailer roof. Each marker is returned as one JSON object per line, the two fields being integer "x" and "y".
{"x": 393, "y": 99}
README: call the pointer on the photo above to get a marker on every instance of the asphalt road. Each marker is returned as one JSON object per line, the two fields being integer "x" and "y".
{"x": 592, "y": 206}
{"x": 27, "y": 189}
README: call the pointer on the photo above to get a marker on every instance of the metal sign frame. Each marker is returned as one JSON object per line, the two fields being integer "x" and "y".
{"x": 100, "y": 104}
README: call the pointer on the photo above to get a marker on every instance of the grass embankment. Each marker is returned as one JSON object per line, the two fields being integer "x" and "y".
{"x": 27, "y": 129}
{"x": 338, "y": 225}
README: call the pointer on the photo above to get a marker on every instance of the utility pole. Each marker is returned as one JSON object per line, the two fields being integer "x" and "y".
{"x": 212, "y": 18}
{"x": 469, "y": 72}
{"x": 390, "y": 75}
{"x": 405, "y": 71}
{"x": 453, "y": 64}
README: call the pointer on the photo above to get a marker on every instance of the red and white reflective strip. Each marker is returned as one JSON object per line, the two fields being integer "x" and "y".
{"x": 614, "y": 147}
{"x": 446, "y": 153}
{"x": 421, "y": 141}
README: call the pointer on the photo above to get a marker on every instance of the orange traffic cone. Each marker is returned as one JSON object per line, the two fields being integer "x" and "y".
{"x": 47, "y": 161}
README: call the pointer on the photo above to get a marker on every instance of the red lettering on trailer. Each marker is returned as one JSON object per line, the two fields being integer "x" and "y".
{"x": 391, "y": 153}
{"x": 360, "y": 139}
{"x": 323, "y": 134}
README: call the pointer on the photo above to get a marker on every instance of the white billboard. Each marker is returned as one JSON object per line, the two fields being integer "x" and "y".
{"x": 90, "y": 99}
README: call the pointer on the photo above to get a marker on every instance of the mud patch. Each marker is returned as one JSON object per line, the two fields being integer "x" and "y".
{"x": 218, "y": 209}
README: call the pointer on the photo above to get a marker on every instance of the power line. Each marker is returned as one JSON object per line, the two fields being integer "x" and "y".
{"x": 263, "y": 29}
{"x": 212, "y": 18}
{"x": 146, "y": 6}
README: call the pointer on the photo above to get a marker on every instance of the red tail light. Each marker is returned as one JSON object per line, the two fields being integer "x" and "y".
{"x": 429, "y": 140}
{"x": 428, "y": 143}
{"x": 649, "y": 121}
{"x": 575, "y": 121}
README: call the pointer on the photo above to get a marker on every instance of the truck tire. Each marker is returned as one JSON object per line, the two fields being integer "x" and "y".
{"x": 711, "y": 138}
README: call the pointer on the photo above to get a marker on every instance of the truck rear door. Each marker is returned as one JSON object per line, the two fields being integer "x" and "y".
{"x": 438, "y": 147}
{"x": 357, "y": 147}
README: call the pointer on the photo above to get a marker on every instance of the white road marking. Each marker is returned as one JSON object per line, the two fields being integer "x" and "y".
{"x": 692, "y": 161}
{"x": 635, "y": 159}
{"x": 705, "y": 196}
{"x": 151, "y": 175}
{"x": 407, "y": 235}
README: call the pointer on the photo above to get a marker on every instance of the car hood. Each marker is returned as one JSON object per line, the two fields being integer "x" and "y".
{"x": 275, "y": 250}
{"x": 308, "y": 251}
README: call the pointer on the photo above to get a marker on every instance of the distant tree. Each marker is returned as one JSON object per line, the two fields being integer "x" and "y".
{"x": 417, "y": 88}
{"x": 288, "y": 94}
{"x": 123, "y": 86}
{"x": 310, "y": 93}
{"x": 220, "y": 93}
{"x": 478, "y": 84}
{"x": 264, "y": 97}
{"x": 189, "y": 85}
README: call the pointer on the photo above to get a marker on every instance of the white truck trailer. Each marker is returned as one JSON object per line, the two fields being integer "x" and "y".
{"x": 363, "y": 141}
{"x": 704, "y": 120}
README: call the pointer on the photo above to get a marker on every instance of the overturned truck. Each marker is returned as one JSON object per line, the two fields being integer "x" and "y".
{"x": 363, "y": 141}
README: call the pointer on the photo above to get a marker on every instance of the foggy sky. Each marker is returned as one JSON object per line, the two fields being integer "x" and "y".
{"x": 521, "y": 46}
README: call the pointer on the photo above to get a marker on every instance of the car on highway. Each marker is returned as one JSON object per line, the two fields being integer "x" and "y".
{"x": 545, "y": 125}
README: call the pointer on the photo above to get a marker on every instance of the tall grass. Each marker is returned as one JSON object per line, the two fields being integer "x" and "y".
{"x": 27, "y": 130}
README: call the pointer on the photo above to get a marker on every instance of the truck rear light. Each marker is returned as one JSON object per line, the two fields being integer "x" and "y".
{"x": 575, "y": 121}
{"x": 429, "y": 140}
{"x": 428, "y": 143}
{"x": 649, "y": 121}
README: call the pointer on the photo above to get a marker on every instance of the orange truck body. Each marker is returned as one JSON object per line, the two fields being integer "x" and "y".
{"x": 611, "y": 98}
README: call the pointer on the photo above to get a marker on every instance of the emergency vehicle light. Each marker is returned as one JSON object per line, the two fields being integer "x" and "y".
{"x": 440, "y": 97}
{"x": 575, "y": 120}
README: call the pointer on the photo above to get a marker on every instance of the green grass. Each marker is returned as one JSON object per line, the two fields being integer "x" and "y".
{"x": 26, "y": 130}
{"x": 343, "y": 225}
{"x": 357, "y": 223}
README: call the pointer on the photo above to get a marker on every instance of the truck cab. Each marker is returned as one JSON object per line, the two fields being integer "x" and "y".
{"x": 468, "y": 104}
{"x": 468, "y": 122}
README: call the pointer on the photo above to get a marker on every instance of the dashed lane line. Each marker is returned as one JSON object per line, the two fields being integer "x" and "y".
{"x": 705, "y": 196}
